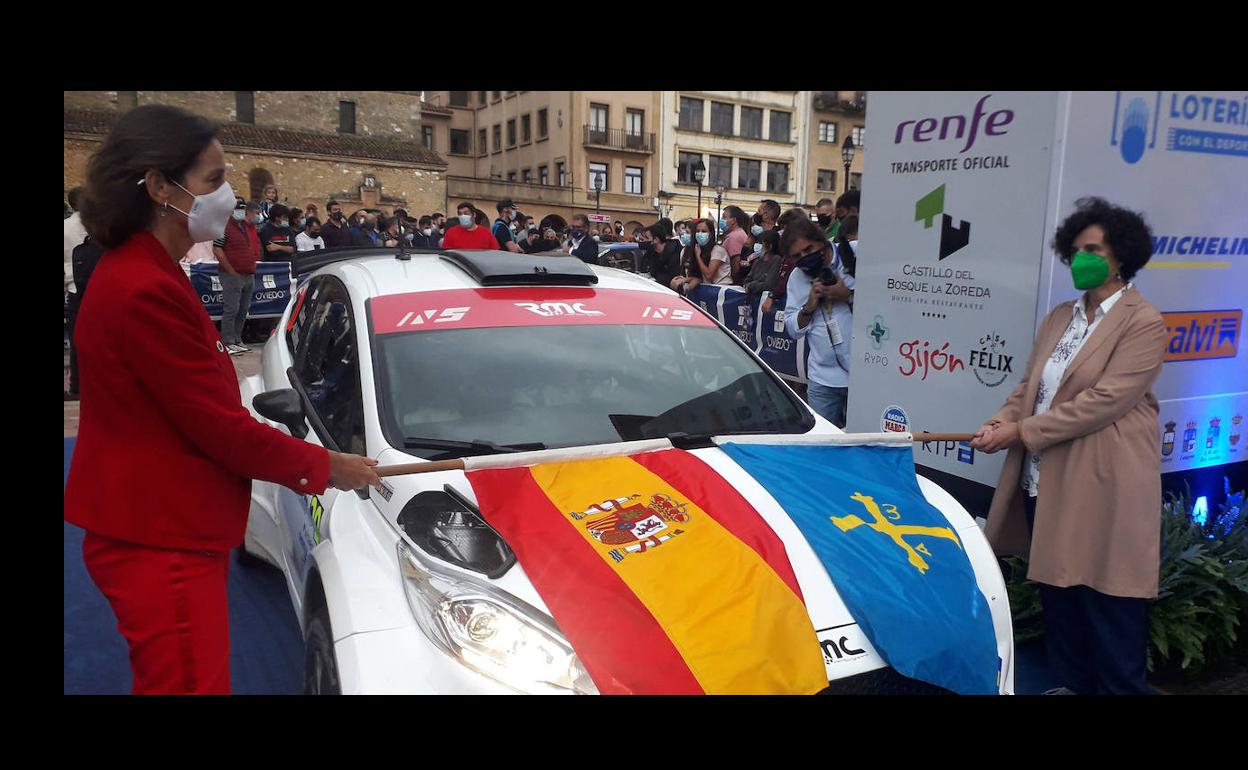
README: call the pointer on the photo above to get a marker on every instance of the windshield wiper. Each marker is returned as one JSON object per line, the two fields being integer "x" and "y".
{"x": 479, "y": 446}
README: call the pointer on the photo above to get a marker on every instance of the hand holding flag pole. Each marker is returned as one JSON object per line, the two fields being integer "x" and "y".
{"x": 624, "y": 448}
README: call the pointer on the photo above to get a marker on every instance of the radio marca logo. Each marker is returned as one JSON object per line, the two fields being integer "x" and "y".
{"x": 895, "y": 420}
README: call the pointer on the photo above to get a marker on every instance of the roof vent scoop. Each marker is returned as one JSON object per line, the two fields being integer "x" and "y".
{"x": 503, "y": 268}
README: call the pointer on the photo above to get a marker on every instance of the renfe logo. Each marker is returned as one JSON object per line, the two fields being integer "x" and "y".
{"x": 924, "y": 127}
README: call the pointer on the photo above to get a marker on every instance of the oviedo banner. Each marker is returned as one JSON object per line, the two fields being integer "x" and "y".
{"x": 761, "y": 332}
{"x": 272, "y": 290}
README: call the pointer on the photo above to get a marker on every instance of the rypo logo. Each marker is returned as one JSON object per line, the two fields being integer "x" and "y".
{"x": 957, "y": 125}
{"x": 1137, "y": 119}
{"x": 952, "y": 239}
{"x": 878, "y": 332}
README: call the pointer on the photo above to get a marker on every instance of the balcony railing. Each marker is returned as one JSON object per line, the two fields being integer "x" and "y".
{"x": 618, "y": 139}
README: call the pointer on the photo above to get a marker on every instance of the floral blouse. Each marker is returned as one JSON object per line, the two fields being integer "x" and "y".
{"x": 1077, "y": 333}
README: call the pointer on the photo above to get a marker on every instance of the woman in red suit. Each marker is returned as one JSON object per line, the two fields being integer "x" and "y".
{"x": 161, "y": 475}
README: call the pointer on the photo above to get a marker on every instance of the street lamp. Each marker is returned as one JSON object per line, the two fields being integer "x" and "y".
{"x": 719, "y": 200}
{"x": 598, "y": 194}
{"x": 699, "y": 174}
{"x": 847, "y": 155}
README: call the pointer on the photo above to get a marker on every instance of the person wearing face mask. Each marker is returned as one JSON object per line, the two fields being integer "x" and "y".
{"x": 548, "y": 241}
{"x": 825, "y": 210}
{"x": 335, "y": 231}
{"x": 310, "y": 239}
{"x": 296, "y": 220}
{"x": 366, "y": 235}
{"x": 581, "y": 241}
{"x": 502, "y": 231}
{"x": 817, "y": 308}
{"x": 276, "y": 238}
{"x": 237, "y": 252}
{"x": 468, "y": 234}
{"x": 768, "y": 214}
{"x": 847, "y": 205}
{"x": 424, "y": 237}
{"x": 1081, "y": 486}
{"x": 660, "y": 254}
{"x": 765, "y": 264}
{"x": 733, "y": 227}
{"x": 162, "y": 469}
{"x": 847, "y": 244}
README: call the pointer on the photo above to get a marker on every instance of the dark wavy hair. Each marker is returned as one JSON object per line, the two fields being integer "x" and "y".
{"x": 152, "y": 137}
{"x": 798, "y": 229}
{"x": 1126, "y": 232}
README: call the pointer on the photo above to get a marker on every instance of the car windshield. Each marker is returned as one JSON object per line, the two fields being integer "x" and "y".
{"x": 574, "y": 385}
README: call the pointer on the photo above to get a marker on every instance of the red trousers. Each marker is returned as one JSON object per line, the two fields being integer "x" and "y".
{"x": 171, "y": 609}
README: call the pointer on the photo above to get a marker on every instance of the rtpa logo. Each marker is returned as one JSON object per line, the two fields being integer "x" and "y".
{"x": 952, "y": 239}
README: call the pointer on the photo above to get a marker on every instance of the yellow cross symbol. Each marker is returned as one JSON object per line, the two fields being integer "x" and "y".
{"x": 894, "y": 531}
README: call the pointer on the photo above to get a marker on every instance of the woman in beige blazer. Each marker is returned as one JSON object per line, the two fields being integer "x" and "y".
{"x": 1080, "y": 493}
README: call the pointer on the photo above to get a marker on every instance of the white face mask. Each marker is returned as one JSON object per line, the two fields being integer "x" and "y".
{"x": 428, "y": 231}
{"x": 465, "y": 220}
{"x": 239, "y": 215}
{"x": 209, "y": 213}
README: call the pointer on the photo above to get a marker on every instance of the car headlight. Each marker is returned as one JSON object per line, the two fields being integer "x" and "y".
{"x": 489, "y": 631}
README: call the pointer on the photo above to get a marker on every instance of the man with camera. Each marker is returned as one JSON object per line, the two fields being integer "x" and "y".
{"x": 819, "y": 307}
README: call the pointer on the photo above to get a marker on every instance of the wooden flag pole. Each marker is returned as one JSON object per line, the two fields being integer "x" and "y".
{"x": 458, "y": 464}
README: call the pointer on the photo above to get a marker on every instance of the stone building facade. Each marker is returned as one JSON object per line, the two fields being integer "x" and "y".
{"x": 834, "y": 115}
{"x": 365, "y": 149}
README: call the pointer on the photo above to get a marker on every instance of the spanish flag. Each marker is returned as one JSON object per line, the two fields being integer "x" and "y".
{"x": 661, "y": 575}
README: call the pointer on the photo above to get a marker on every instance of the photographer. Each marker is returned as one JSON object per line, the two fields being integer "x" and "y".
{"x": 819, "y": 293}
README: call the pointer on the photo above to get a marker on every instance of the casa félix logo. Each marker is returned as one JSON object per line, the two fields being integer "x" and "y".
{"x": 989, "y": 361}
{"x": 1196, "y": 123}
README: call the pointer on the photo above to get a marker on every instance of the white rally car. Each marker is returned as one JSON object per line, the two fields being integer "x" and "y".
{"x": 412, "y": 356}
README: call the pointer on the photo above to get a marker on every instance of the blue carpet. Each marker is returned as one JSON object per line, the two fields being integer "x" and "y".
{"x": 266, "y": 647}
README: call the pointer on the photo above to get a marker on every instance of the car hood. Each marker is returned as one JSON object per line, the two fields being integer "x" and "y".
{"x": 846, "y": 649}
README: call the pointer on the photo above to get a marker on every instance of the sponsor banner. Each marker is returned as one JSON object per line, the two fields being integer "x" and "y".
{"x": 1203, "y": 335}
{"x": 518, "y": 306}
{"x": 272, "y": 288}
{"x": 953, "y": 232}
{"x": 1181, "y": 159}
{"x": 764, "y": 333}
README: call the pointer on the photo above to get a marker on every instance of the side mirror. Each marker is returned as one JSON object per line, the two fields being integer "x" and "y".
{"x": 283, "y": 406}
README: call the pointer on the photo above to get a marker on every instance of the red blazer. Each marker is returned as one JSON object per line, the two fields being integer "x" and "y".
{"x": 166, "y": 451}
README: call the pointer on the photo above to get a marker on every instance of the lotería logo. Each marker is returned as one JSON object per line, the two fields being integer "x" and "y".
{"x": 878, "y": 332}
{"x": 894, "y": 420}
{"x": 952, "y": 239}
{"x": 1138, "y": 115}
{"x": 1135, "y": 125}
{"x": 990, "y": 363}
{"x": 1167, "y": 439}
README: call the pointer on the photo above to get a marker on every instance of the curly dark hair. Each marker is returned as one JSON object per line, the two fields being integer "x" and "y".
{"x": 1126, "y": 231}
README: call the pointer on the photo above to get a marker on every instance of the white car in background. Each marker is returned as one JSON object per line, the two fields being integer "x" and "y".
{"x": 411, "y": 356}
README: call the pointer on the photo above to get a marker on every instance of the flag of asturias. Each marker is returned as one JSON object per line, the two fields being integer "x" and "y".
{"x": 896, "y": 561}
{"x": 661, "y": 575}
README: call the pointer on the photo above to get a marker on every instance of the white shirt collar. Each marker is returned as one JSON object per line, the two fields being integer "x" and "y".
{"x": 1104, "y": 308}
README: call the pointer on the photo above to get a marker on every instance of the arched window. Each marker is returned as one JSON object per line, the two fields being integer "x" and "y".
{"x": 257, "y": 180}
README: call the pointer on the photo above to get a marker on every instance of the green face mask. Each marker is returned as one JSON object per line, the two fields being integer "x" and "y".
{"x": 1089, "y": 270}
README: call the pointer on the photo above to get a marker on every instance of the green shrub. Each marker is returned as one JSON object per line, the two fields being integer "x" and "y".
{"x": 1202, "y": 601}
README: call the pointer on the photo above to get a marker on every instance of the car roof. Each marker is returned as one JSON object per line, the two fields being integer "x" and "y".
{"x": 379, "y": 272}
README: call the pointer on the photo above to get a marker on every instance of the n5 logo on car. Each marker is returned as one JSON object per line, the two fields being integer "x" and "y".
{"x": 1203, "y": 334}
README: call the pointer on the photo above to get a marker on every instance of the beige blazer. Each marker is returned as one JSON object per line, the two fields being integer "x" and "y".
{"x": 1098, "y": 519}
